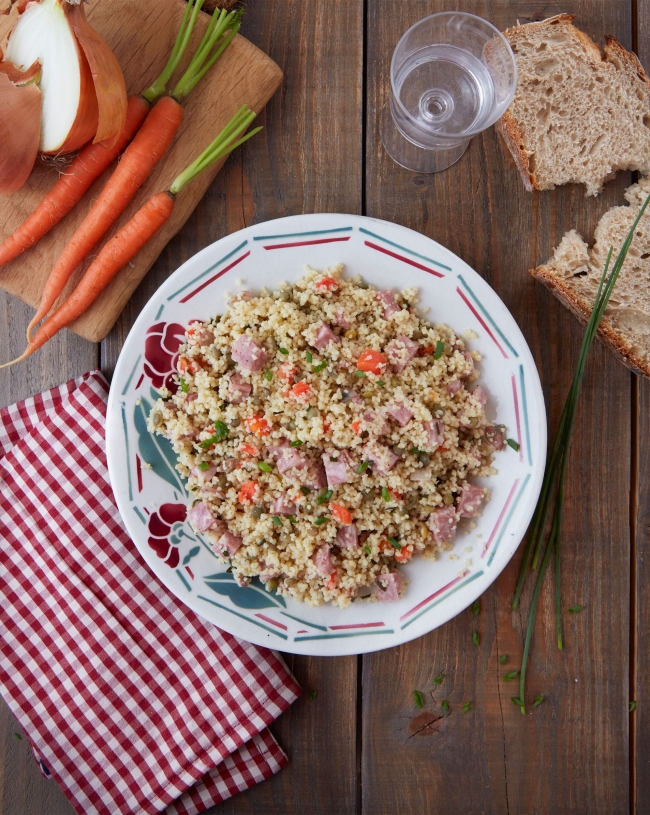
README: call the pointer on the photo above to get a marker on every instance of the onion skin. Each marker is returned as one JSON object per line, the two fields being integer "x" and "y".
{"x": 20, "y": 130}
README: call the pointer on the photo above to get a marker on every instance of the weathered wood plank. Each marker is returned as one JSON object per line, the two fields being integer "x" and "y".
{"x": 570, "y": 755}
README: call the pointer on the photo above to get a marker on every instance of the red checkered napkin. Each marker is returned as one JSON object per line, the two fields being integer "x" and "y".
{"x": 132, "y": 702}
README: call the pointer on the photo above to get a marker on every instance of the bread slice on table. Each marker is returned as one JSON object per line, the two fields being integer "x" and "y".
{"x": 573, "y": 275}
{"x": 578, "y": 116}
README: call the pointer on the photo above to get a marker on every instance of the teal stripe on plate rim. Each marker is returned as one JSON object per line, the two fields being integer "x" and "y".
{"x": 404, "y": 249}
{"x": 243, "y": 617}
{"x": 524, "y": 405}
{"x": 508, "y": 519}
{"x": 207, "y": 271}
{"x": 183, "y": 580}
{"x": 160, "y": 311}
{"x": 126, "y": 445}
{"x": 363, "y": 633}
{"x": 442, "y": 598}
{"x": 140, "y": 515}
{"x": 128, "y": 381}
{"x": 486, "y": 314}
{"x": 303, "y": 234}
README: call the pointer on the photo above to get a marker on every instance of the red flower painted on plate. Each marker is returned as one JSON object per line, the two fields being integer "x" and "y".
{"x": 161, "y": 525}
{"x": 161, "y": 353}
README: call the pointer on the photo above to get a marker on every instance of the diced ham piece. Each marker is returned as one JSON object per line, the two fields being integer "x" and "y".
{"x": 229, "y": 542}
{"x": 324, "y": 336}
{"x": 282, "y": 506}
{"x": 470, "y": 359}
{"x": 192, "y": 397}
{"x": 376, "y": 423}
{"x": 383, "y": 458}
{"x": 387, "y": 297}
{"x": 239, "y": 388}
{"x": 480, "y": 394}
{"x": 206, "y": 475}
{"x": 400, "y": 413}
{"x": 322, "y": 558}
{"x": 389, "y": 586}
{"x": 352, "y": 396}
{"x": 337, "y": 472}
{"x": 201, "y": 517}
{"x": 496, "y": 437}
{"x": 316, "y": 477}
{"x": 241, "y": 297}
{"x": 201, "y": 336}
{"x": 435, "y": 431}
{"x": 288, "y": 459}
{"x": 347, "y": 537}
{"x": 230, "y": 465}
{"x": 443, "y": 522}
{"x": 400, "y": 352}
{"x": 218, "y": 493}
{"x": 341, "y": 320}
{"x": 454, "y": 386}
{"x": 248, "y": 354}
{"x": 470, "y": 500}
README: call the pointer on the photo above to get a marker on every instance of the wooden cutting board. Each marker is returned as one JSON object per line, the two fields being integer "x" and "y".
{"x": 141, "y": 34}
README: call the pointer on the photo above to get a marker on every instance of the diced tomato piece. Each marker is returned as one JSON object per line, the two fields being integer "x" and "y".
{"x": 422, "y": 352}
{"x": 258, "y": 425}
{"x": 341, "y": 514}
{"x": 356, "y": 426}
{"x": 331, "y": 583}
{"x": 249, "y": 448}
{"x": 396, "y": 495}
{"x": 301, "y": 390}
{"x": 186, "y": 364}
{"x": 327, "y": 284}
{"x": 404, "y": 554}
{"x": 326, "y": 427}
{"x": 371, "y": 361}
{"x": 287, "y": 371}
{"x": 248, "y": 492}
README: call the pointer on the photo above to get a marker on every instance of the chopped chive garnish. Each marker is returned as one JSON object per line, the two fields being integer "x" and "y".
{"x": 277, "y": 520}
{"x": 367, "y": 550}
{"x": 538, "y": 701}
{"x": 440, "y": 347}
{"x": 204, "y": 465}
{"x": 362, "y": 467}
{"x": 221, "y": 432}
{"x": 510, "y": 676}
{"x": 394, "y": 542}
{"x": 292, "y": 518}
{"x": 476, "y": 638}
{"x": 414, "y": 451}
{"x": 438, "y": 680}
{"x": 329, "y": 494}
{"x": 268, "y": 376}
{"x": 575, "y": 609}
{"x": 320, "y": 367}
{"x": 632, "y": 706}
{"x": 305, "y": 490}
{"x": 380, "y": 383}
{"x": 313, "y": 694}
{"x": 283, "y": 351}
{"x": 184, "y": 386}
{"x": 320, "y": 521}
{"x": 309, "y": 357}
{"x": 445, "y": 705}
{"x": 503, "y": 659}
{"x": 18, "y": 736}
{"x": 517, "y": 702}
{"x": 385, "y": 494}
{"x": 264, "y": 467}
{"x": 476, "y": 607}
{"x": 466, "y": 707}
{"x": 419, "y": 699}
{"x": 514, "y": 444}
{"x": 295, "y": 443}
{"x": 360, "y": 374}
{"x": 321, "y": 499}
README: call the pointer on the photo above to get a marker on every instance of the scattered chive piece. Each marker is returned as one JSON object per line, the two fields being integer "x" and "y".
{"x": 292, "y": 518}
{"x": 385, "y": 494}
{"x": 466, "y": 707}
{"x": 360, "y": 374}
{"x": 510, "y": 676}
{"x": 575, "y": 609}
{"x": 276, "y": 520}
{"x": 367, "y": 550}
{"x": 503, "y": 659}
{"x": 419, "y": 700}
{"x": 414, "y": 451}
{"x": 329, "y": 494}
{"x": 320, "y": 521}
{"x": 309, "y": 357}
{"x": 283, "y": 351}
{"x": 517, "y": 702}
{"x": 439, "y": 678}
{"x": 264, "y": 467}
{"x": 305, "y": 490}
{"x": 394, "y": 542}
{"x": 476, "y": 638}
{"x": 445, "y": 705}
{"x": 362, "y": 467}
{"x": 313, "y": 694}
{"x": 476, "y": 607}
{"x": 184, "y": 386}
{"x": 18, "y": 736}
{"x": 538, "y": 701}
{"x": 268, "y": 376}
{"x": 295, "y": 443}
{"x": 440, "y": 347}
{"x": 632, "y": 706}
{"x": 380, "y": 383}
{"x": 204, "y": 465}
{"x": 514, "y": 444}
{"x": 221, "y": 432}
{"x": 321, "y": 499}
{"x": 320, "y": 367}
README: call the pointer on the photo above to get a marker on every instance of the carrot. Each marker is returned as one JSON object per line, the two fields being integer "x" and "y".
{"x": 341, "y": 514}
{"x": 87, "y": 165}
{"x": 257, "y": 425}
{"x": 371, "y": 361}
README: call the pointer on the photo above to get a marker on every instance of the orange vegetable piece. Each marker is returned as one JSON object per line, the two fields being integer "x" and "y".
{"x": 258, "y": 425}
{"x": 331, "y": 583}
{"x": 326, "y": 427}
{"x": 249, "y": 448}
{"x": 248, "y": 492}
{"x": 356, "y": 426}
{"x": 186, "y": 364}
{"x": 371, "y": 361}
{"x": 301, "y": 390}
{"x": 287, "y": 372}
{"x": 327, "y": 284}
{"x": 404, "y": 554}
{"x": 422, "y": 352}
{"x": 341, "y": 514}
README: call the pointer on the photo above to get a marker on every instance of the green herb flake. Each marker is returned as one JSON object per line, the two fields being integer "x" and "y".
{"x": 466, "y": 707}
{"x": 362, "y": 467}
{"x": 394, "y": 542}
{"x": 322, "y": 498}
{"x": 445, "y": 705}
{"x": 360, "y": 374}
{"x": 18, "y": 736}
{"x": 538, "y": 701}
{"x": 320, "y": 367}
{"x": 517, "y": 701}
{"x": 292, "y": 519}
{"x": 440, "y": 347}
{"x": 283, "y": 351}
{"x": 476, "y": 638}
{"x": 385, "y": 494}
{"x": 503, "y": 659}
{"x": 320, "y": 521}
{"x": 309, "y": 357}
{"x": 575, "y": 609}
{"x": 414, "y": 451}
{"x": 305, "y": 490}
{"x": 510, "y": 676}
{"x": 264, "y": 467}
{"x": 184, "y": 386}
{"x": 632, "y": 706}
{"x": 367, "y": 550}
{"x": 419, "y": 699}
{"x": 514, "y": 444}
{"x": 329, "y": 494}
{"x": 296, "y": 443}
{"x": 439, "y": 679}
{"x": 204, "y": 465}
{"x": 313, "y": 694}
{"x": 268, "y": 376}
{"x": 476, "y": 608}
{"x": 276, "y": 520}
{"x": 380, "y": 383}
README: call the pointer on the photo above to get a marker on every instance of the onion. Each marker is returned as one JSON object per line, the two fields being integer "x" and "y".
{"x": 84, "y": 96}
{"x": 20, "y": 124}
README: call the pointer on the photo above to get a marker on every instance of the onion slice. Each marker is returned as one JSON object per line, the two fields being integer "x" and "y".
{"x": 20, "y": 125}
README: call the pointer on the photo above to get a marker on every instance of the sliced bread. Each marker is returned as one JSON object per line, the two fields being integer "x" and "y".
{"x": 573, "y": 275}
{"x": 578, "y": 116}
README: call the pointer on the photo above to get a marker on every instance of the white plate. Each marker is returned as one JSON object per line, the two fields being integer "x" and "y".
{"x": 151, "y": 495}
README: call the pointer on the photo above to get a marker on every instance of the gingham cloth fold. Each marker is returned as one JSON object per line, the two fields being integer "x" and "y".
{"x": 132, "y": 702}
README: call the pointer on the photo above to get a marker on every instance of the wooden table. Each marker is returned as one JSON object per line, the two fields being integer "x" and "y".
{"x": 361, "y": 746}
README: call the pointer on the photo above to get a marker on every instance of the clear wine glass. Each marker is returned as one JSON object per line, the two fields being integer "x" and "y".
{"x": 452, "y": 75}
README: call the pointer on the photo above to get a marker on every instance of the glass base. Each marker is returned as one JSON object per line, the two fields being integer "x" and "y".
{"x": 409, "y": 155}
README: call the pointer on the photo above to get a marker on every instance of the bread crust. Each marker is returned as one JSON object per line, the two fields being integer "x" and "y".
{"x": 582, "y": 311}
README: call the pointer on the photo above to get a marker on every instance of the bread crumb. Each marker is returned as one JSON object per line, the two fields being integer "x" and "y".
{"x": 145, "y": 465}
{"x": 239, "y": 281}
{"x": 453, "y": 557}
